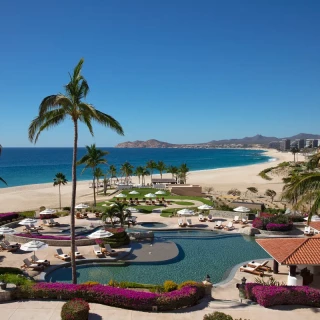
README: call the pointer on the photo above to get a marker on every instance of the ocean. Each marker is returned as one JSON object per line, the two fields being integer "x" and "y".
{"x": 23, "y": 166}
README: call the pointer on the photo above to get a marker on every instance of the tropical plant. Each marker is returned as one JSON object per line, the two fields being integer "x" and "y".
{"x": 144, "y": 173}
{"x": 151, "y": 165}
{"x": 313, "y": 161}
{"x": 294, "y": 150}
{"x": 98, "y": 173}
{"x": 0, "y": 177}
{"x": 270, "y": 193}
{"x": 127, "y": 170}
{"x": 183, "y": 170}
{"x": 92, "y": 159}
{"x": 252, "y": 190}
{"x": 75, "y": 309}
{"x": 53, "y": 110}
{"x": 109, "y": 212}
{"x": 174, "y": 171}
{"x": 217, "y": 316}
{"x": 60, "y": 179}
{"x": 138, "y": 172}
{"x": 161, "y": 167}
{"x": 234, "y": 192}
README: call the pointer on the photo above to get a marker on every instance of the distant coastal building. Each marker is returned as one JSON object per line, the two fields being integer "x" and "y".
{"x": 312, "y": 143}
{"x": 285, "y": 144}
{"x": 274, "y": 145}
{"x": 299, "y": 143}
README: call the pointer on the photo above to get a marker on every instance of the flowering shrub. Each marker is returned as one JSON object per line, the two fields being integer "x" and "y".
{"x": 268, "y": 296}
{"x": 266, "y": 215}
{"x": 8, "y": 216}
{"x": 257, "y": 223}
{"x": 217, "y": 316}
{"x": 279, "y": 226}
{"x": 112, "y": 296}
{"x": 40, "y": 236}
{"x": 75, "y": 309}
{"x": 115, "y": 230}
{"x": 170, "y": 285}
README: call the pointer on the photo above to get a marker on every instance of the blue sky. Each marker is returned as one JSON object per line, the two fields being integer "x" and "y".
{"x": 175, "y": 70}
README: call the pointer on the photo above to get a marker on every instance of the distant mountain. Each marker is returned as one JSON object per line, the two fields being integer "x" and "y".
{"x": 257, "y": 139}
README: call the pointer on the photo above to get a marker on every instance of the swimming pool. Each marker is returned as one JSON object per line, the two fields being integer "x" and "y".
{"x": 153, "y": 225}
{"x": 200, "y": 253}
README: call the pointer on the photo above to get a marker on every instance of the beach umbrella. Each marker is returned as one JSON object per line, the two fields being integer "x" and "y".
{"x": 205, "y": 207}
{"x": 313, "y": 218}
{"x": 150, "y": 195}
{"x": 185, "y": 212}
{"x": 160, "y": 192}
{"x": 121, "y": 195}
{"x": 28, "y": 221}
{"x": 101, "y": 233}
{"x": 81, "y": 206}
{"x": 134, "y": 192}
{"x": 48, "y": 211}
{"x": 241, "y": 209}
{"x": 6, "y": 230}
{"x": 34, "y": 246}
{"x": 133, "y": 210}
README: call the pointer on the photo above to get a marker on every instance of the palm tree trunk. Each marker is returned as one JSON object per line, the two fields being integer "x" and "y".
{"x": 94, "y": 191}
{"x": 73, "y": 203}
{"x": 59, "y": 197}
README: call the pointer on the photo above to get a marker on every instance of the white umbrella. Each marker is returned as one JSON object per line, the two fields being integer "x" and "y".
{"x": 241, "y": 209}
{"x": 186, "y": 212}
{"x": 48, "y": 211}
{"x": 33, "y": 245}
{"x": 133, "y": 210}
{"x": 81, "y": 206}
{"x": 104, "y": 205}
{"x": 134, "y": 192}
{"x": 6, "y": 230}
{"x": 101, "y": 233}
{"x": 160, "y": 192}
{"x": 205, "y": 207}
{"x": 28, "y": 221}
{"x": 121, "y": 195}
{"x": 150, "y": 195}
{"x": 313, "y": 218}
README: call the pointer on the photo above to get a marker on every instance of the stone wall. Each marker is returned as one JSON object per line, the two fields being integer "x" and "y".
{"x": 228, "y": 214}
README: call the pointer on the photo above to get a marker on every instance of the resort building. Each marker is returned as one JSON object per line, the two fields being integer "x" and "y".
{"x": 285, "y": 144}
{"x": 299, "y": 143}
{"x": 311, "y": 143}
{"x": 274, "y": 145}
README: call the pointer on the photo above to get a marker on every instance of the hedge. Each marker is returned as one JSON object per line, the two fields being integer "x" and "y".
{"x": 116, "y": 297}
{"x": 8, "y": 216}
{"x": 268, "y": 296}
{"x": 40, "y": 236}
{"x": 279, "y": 226}
{"x": 75, "y": 309}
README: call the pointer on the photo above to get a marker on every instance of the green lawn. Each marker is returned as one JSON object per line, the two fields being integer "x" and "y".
{"x": 183, "y": 203}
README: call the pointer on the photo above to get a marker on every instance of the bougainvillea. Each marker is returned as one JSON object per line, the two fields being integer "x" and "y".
{"x": 40, "y": 236}
{"x": 8, "y": 216}
{"x": 279, "y": 226}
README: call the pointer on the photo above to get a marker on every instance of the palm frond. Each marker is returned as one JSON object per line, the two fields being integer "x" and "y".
{"x": 53, "y": 102}
{"x": 3, "y": 181}
{"x": 109, "y": 122}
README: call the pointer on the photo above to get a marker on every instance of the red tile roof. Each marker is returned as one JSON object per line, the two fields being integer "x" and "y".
{"x": 293, "y": 250}
{"x": 315, "y": 225}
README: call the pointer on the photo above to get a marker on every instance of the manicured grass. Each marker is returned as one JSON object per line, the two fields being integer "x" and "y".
{"x": 183, "y": 203}
{"x": 167, "y": 213}
{"x": 143, "y": 192}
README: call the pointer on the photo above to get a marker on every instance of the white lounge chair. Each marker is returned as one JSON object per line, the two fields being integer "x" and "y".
{"x": 34, "y": 266}
{"x": 236, "y": 219}
{"x": 218, "y": 225}
{"x": 181, "y": 223}
{"x": 189, "y": 223}
{"x": 61, "y": 255}
{"x": 244, "y": 221}
{"x": 261, "y": 266}
{"x": 229, "y": 226}
{"x": 34, "y": 259}
{"x": 252, "y": 270}
{"x": 77, "y": 253}
{"x": 210, "y": 217}
{"x": 54, "y": 223}
{"x": 97, "y": 251}
{"x": 308, "y": 231}
{"x": 201, "y": 218}
{"x": 109, "y": 250}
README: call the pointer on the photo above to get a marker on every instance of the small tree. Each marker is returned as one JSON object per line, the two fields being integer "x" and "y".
{"x": 294, "y": 150}
{"x": 60, "y": 179}
{"x": 270, "y": 193}
{"x": 234, "y": 192}
{"x": 252, "y": 189}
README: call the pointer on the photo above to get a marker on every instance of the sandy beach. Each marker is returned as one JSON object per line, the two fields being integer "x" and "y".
{"x": 31, "y": 197}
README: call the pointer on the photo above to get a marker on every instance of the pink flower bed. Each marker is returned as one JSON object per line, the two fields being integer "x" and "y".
{"x": 8, "y": 216}
{"x": 40, "y": 236}
{"x": 117, "y": 297}
{"x": 279, "y": 226}
{"x": 268, "y": 296}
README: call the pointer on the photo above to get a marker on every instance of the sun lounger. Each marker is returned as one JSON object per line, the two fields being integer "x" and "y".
{"x": 9, "y": 248}
{"x": 34, "y": 266}
{"x": 77, "y": 254}
{"x": 12, "y": 244}
{"x": 261, "y": 266}
{"x": 210, "y": 218}
{"x": 189, "y": 223}
{"x": 236, "y": 219}
{"x": 229, "y": 226}
{"x": 218, "y": 225}
{"x": 55, "y": 223}
{"x": 308, "y": 231}
{"x": 34, "y": 259}
{"x": 109, "y": 250}
{"x": 252, "y": 270}
{"x": 61, "y": 255}
{"x": 97, "y": 251}
{"x": 33, "y": 227}
{"x": 201, "y": 218}
{"x": 181, "y": 223}
{"x": 28, "y": 229}
{"x": 244, "y": 221}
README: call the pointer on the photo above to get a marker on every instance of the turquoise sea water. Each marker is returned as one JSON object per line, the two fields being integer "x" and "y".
{"x": 200, "y": 253}
{"x": 22, "y": 166}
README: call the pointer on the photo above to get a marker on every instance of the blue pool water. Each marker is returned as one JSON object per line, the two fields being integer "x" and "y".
{"x": 153, "y": 225}
{"x": 200, "y": 253}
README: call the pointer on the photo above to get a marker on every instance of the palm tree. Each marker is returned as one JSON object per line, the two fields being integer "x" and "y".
{"x": 161, "y": 167}
{"x": 151, "y": 165}
{"x": 109, "y": 212}
{"x": 294, "y": 150}
{"x": 60, "y": 179}
{"x": 174, "y": 171}
{"x": 121, "y": 212}
{"x": 127, "y": 170}
{"x": 105, "y": 184}
{"x": 0, "y": 177}
{"x": 92, "y": 159}
{"x": 112, "y": 171}
{"x": 54, "y": 110}
{"x": 138, "y": 172}
{"x": 144, "y": 173}
{"x": 270, "y": 193}
{"x": 183, "y": 170}
{"x": 98, "y": 173}
{"x": 252, "y": 190}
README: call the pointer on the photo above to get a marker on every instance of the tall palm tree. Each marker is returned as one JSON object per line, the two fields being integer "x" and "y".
{"x": 92, "y": 159}
{"x": 112, "y": 171}
{"x": 294, "y": 150}
{"x": 127, "y": 170}
{"x": 144, "y": 173}
{"x": 270, "y": 193}
{"x": 0, "y": 177}
{"x": 98, "y": 173}
{"x": 138, "y": 172}
{"x": 109, "y": 212}
{"x": 161, "y": 167}
{"x": 60, "y": 179}
{"x": 151, "y": 165}
{"x": 54, "y": 110}
{"x": 183, "y": 170}
{"x": 174, "y": 171}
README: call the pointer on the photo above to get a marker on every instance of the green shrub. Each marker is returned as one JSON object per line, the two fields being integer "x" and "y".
{"x": 157, "y": 289}
{"x": 4, "y": 270}
{"x": 27, "y": 214}
{"x": 217, "y": 316}
{"x": 75, "y": 309}
{"x": 169, "y": 286}
{"x": 91, "y": 283}
{"x": 66, "y": 208}
{"x": 17, "y": 279}
{"x": 113, "y": 283}
{"x": 61, "y": 214}
{"x": 188, "y": 283}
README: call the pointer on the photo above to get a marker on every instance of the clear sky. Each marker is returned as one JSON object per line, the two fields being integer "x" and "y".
{"x": 179, "y": 71}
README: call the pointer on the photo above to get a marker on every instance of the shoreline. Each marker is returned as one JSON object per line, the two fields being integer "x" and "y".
{"x": 30, "y": 197}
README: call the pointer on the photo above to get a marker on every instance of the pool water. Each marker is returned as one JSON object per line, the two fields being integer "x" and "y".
{"x": 200, "y": 253}
{"x": 153, "y": 225}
